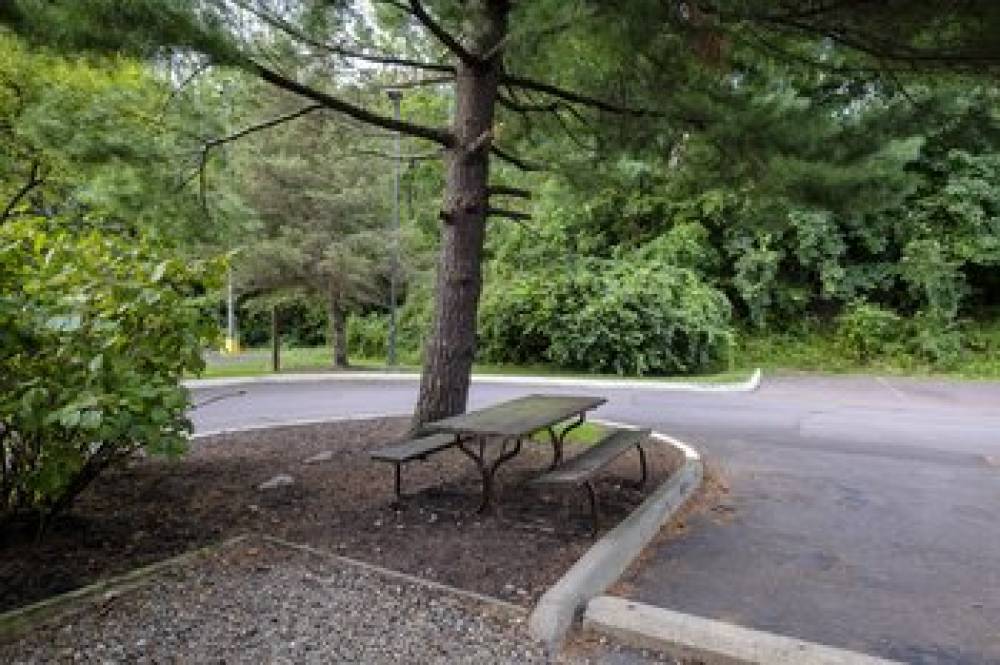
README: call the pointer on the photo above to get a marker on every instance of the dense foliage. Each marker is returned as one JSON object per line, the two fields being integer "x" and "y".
{"x": 96, "y": 331}
{"x": 845, "y": 208}
{"x": 618, "y": 317}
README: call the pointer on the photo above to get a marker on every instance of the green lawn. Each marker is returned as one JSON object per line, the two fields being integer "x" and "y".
{"x": 586, "y": 434}
{"x": 773, "y": 353}
{"x": 254, "y": 362}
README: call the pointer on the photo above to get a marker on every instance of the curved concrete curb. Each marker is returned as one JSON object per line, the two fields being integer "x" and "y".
{"x": 751, "y": 384}
{"x": 687, "y": 636}
{"x": 609, "y": 557}
{"x": 294, "y": 423}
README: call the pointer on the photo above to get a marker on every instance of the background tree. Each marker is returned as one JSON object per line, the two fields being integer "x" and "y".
{"x": 324, "y": 219}
{"x": 490, "y": 48}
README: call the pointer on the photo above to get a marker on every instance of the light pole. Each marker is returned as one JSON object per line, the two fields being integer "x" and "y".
{"x": 232, "y": 347}
{"x": 395, "y": 96}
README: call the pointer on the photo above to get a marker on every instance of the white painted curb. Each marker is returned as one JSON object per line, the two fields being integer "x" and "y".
{"x": 294, "y": 423}
{"x": 751, "y": 384}
{"x": 690, "y": 637}
{"x": 609, "y": 557}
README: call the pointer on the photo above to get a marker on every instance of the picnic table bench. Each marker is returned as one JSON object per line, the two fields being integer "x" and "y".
{"x": 581, "y": 470}
{"x": 408, "y": 451}
{"x": 502, "y": 429}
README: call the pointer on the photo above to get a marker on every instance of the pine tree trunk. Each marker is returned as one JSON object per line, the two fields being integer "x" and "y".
{"x": 338, "y": 331}
{"x": 451, "y": 344}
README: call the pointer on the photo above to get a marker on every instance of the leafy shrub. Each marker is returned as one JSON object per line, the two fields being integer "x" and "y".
{"x": 95, "y": 333}
{"x": 368, "y": 335}
{"x": 865, "y": 331}
{"x": 935, "y": 339}
{"x": 619, "y": 316}
{"x": 933, "y": 277}
{"x": 756, "y": 278}
{"x": 685, "y": 245}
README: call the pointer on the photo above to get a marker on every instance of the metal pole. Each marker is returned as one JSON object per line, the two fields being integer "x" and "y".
{"x": 395, "y": 96}
{"x": 275, "y": 341}
{"x": 230, "y": 316}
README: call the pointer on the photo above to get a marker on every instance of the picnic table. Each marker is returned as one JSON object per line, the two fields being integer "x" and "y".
{"x": 492, "y": 436}
{"x": 503, "y": 428}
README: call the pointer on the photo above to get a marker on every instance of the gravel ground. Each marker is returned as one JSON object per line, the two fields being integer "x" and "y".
{"x": 258, "y": 602}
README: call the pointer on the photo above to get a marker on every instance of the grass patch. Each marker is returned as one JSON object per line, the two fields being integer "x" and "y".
{"x": 257, "y": 362}
{"x": 586, "y": 434}
{"x": 812, "y": 349}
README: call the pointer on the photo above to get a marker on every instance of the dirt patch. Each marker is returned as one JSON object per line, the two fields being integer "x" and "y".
{"x": 154, "y": 509}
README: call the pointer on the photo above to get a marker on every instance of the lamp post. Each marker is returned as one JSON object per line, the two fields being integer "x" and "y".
{"x": 395, "y": 95}
{"x": 232, "y": 346}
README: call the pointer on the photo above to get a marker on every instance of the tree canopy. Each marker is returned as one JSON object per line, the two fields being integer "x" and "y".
{"x": 779, "y": 151}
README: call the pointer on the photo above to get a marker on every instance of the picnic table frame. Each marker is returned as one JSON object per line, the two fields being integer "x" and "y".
{"x": 509, "y": 423}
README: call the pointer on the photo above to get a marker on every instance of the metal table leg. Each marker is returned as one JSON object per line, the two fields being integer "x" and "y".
{"x": 558, "y": 438}
{"x": 594, "y": 511}
{"x": 487, "y": 470}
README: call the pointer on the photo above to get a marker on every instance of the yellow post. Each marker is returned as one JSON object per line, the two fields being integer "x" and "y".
{"x": 232, "y": 346}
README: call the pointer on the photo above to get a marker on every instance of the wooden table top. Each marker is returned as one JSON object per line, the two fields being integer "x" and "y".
{"x": 518, "y": 417}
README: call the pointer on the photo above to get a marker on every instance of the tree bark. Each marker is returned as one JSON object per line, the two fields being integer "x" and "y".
{"x": 338, "y": 331}
{"x": 451, "y": 344}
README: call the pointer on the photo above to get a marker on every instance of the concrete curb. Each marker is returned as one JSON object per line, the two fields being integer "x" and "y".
{"x": 686, "y": 636}
{"x": 609, "y": 557}
{"x": 749, "y": 385}
{"x": 294, "y": 423}
{"x": 16, "y": 621}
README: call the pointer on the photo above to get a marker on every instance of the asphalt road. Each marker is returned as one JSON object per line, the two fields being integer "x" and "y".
{"x": 863, "y": 513}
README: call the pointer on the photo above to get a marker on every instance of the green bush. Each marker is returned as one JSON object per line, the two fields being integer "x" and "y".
{"x": 620, "y": 317}
{"x": 935, "y": 339}
{"x": 95, "y": 333}
{"x": 865, "y": 331}
{"x": 368, "y": 335}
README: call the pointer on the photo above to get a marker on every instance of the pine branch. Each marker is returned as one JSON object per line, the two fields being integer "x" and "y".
{"x": 414, "y": 157}
{"x": 450, "y": 42}
{"x": 34, "y": 180}
{"x": 414, "y": 83}
{"x": 506, "y": 190}
{"x": 235, "y": 136}
{"x": 514, "y": 105}
{"x": 571, "y": 96}
{"x": 359, "y": 113}
{"x": 267, "y": 124}
{"x": 513, "y": 160}
{"x": 508, "y": 214}
{"x": 339, "y": 49}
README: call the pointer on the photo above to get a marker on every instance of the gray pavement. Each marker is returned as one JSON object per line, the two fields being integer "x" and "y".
{"x": 864, "y": 513}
